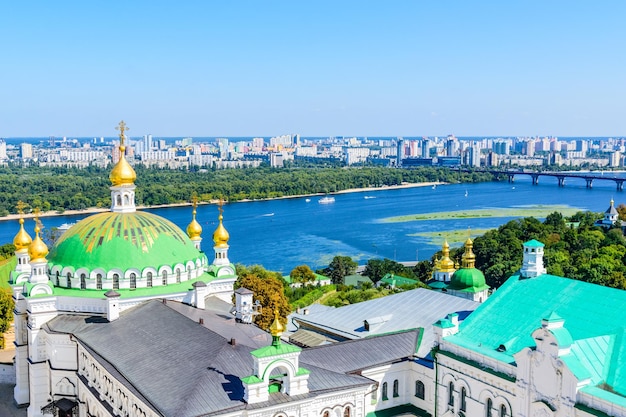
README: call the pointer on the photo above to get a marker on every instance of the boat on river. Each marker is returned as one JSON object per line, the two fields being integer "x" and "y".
{"x": 326, "y": 200}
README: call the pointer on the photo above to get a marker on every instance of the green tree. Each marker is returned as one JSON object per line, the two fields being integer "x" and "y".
{"x": 302, "y": 274}
{"x": 6, "y": 313}
{"x": 267, "y": 287}
{"x": 340, "y": 267}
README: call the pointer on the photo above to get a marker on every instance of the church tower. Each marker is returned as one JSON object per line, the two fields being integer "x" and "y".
{"x": 122, "y": 178}
{"x": 194, "y": 230}
{"x": 532, "y": 265}
{"x": 220, "y": 238}
{"x": 21, "y": 241}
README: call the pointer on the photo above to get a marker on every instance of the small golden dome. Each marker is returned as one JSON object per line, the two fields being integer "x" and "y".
{"x": 122, "y": 173}
{"x": 37, "y": 249}
{"x": 221, "y": 236}
{"x": 468, "y": 258}
{"x": 22, "y": 239}
{"x": 194, "y": 230}
{"x": 446, "y": 264}
{"x": 276, "y": 329}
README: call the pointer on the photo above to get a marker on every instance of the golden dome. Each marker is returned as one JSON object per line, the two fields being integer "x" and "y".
{"x": 446, "y": 264}
{"x": 37, "y": 249}
{"x": 221, "y": 236}
{"x": 276, "y": 329}
{"x": 194, "y": 230}
{"x": 122, "y": 173}
{"x": 468, "y": 257}
{"x": 22, "y": 239}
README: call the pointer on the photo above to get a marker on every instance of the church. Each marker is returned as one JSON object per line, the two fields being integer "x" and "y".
{"x": 126, "y": 316}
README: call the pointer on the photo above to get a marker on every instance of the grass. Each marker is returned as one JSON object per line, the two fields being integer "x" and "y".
{"x": 454, "y": 237}
{"x": 539, "y": 211}
{"x": 6, "y": 266}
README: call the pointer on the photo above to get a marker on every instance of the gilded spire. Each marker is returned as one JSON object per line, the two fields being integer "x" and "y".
{"x": 276, "y": 329}
{"x": 221, "y": 236}
{"x": 22, "y": 239}
{"x": 122, "y": 173}
{"x": 37, "y": 249}
{"x": 468, "y": 259}
{"x": 194, "y": 230}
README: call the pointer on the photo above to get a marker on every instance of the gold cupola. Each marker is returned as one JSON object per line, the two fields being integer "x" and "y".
{"x": 445, "y": 263}
{"x": 194, "y": 230}
{"x": 37, "y": 249}
{"x": 468, "y": 259}
{"x": 221, "y": 236}
{"x": 22, "y": 239}
{"x": 276, "y": 329}
{"x": 122, "y": 173}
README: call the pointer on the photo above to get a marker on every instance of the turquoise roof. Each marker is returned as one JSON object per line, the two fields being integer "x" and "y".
{"x": 123, "y": 240}
{"x": 272, "y": 350}
{"x": 534, "y": 244}
{"x": 592, "y": 314}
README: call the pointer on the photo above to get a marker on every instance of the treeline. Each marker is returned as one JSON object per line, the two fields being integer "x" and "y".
{"x": 77, "y": 189}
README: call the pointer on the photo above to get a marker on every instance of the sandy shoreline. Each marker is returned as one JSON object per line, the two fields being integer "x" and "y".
{"x": 94, "y": 210}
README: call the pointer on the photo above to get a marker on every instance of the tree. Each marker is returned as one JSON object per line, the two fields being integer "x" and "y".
{"x": 302, "y": 274}
{"x": 6, "y": 312}
{"x": 340, "y": 267}
{"x": 267, "y": 287}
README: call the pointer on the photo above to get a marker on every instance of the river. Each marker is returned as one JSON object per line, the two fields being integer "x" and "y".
{"x": 281, "y": 234}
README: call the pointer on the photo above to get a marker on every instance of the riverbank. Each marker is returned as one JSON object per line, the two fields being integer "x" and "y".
{"x": 95, "y": 210}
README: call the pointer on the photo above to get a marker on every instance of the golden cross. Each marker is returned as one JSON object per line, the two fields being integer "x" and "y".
{"x": 194, "y": 200}
{"x": 20, "y": 206}
{"x": 220, "y": 204}
{"x": 36, "y": 212}
{"x": 122, "y": 127}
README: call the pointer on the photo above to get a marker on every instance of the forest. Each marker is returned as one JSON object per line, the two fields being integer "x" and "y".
{"x": 63, "y": 189}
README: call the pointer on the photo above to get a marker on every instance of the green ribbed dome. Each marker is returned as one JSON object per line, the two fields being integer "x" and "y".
{"x": 122, "y": 241}
{"x": 468, "y": 279}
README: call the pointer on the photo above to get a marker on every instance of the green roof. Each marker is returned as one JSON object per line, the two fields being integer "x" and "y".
{"x": 592, "y": 314}
{"x": 271, "y": 350}
{"x": 469, "y": 280}
{"x": 400, "y": 410}
{"x": 534, "y": 244}
{"x": 392, "y": 279}
{"x": 122, "y": 241}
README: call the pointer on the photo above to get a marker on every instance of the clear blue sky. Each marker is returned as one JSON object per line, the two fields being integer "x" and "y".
{"x": 318, "y": 68}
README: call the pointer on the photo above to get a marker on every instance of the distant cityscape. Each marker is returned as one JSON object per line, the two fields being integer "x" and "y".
{"x": 188, "y": 152}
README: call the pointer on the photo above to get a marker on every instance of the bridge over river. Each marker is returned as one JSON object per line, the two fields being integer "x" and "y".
{"x": 560, "y": 176}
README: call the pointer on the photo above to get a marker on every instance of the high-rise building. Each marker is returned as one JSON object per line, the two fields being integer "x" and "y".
{"x": 26, "y": 150}
{"x": 3, "y": 150}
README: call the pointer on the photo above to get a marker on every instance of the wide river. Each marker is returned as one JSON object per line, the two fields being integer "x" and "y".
{"x": 281, "y": 234}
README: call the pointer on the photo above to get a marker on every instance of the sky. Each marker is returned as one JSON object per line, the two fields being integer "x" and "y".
{"x": 317, "y": 68}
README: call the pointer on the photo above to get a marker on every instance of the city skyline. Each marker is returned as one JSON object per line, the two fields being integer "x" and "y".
{"x": 354, "y": 69}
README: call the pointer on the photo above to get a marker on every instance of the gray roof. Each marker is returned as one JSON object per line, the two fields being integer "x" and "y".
{"x": 183, "y": 369}
{"x": 413, "y": 309}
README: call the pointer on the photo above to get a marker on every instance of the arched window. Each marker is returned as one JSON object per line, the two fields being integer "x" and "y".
{"x": 83, "y": 284}
{"x": 119, "y": 200}
{"x": 188, "y": 272}
{"x": 149, "y": 280}
{"x": 178, "y": 275}
{"x": 451, "y": 394}
{"x": 419, "y": 389}
{"x": 385, "y": 397}
{"x": 164, "y": 277}
{"x": 99, "y": 281}
{"x": 503, "y": 410}
{"x": 69, "y": 280}
{"x": 326, "y": 414}
{"x": 57, "y": 279}
{"x": 463, "y": 405}
{"x": 116, "y": 282}
{"x": 133, "y": 281}
{"x": 395, "y": 389}
{"x": 346, "y": 412}
{"x": 489, "y": 407}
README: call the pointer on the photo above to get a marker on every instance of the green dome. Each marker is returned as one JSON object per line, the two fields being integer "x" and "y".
{"x": 468, "y": 279}
{"x": 122, "y": 241}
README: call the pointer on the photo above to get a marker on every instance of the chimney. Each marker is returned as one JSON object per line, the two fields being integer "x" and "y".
{"x": 201, "y": 321}
{"x": 233, "y": 341}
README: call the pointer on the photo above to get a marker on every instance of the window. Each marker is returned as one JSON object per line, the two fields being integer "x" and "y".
{"x": 83, "y": 284}
{"x": 489, "y": 407}
{"x": 419, "y": 390}
{"x": 346, "y": 412}
{"x": 116, "y": 282}
{"x": 178, "y": 276}
{"x": 451, "y": 394}
{"x": 463, "y": 405}
{"x": 57, "y": 279}
{"x": 395, "y": 389}
{"x": 164, "y": 277}
{"x": 99, "y": 281}
{"x": 503, "y": 410}
{"x": 133, "y": 281}
{"x": 385, "y": 397}
{"x": 149, "y": 280}
{"x": 69, "y": 280}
